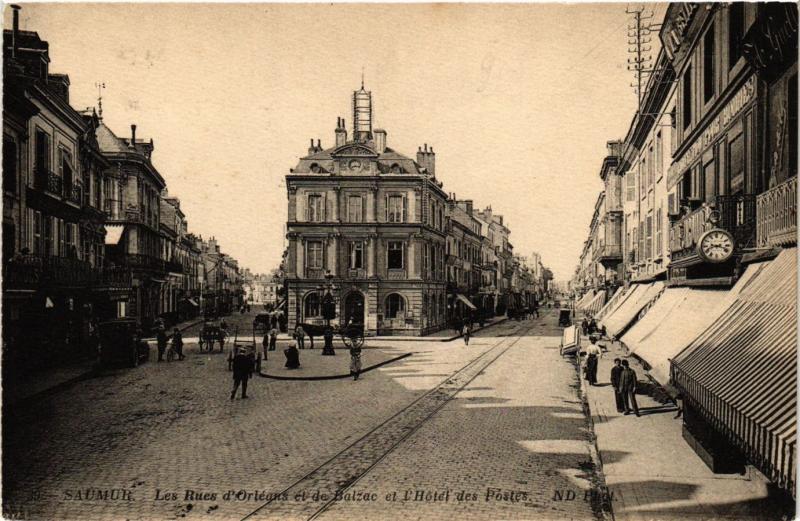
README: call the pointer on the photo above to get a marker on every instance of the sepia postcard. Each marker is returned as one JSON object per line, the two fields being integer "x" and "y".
{"x": 414, "y": 261}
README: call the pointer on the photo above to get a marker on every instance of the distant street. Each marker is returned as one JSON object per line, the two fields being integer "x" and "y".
{"x": 501, "y": 433}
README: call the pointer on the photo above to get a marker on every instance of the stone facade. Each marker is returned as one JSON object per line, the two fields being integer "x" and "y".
{"x": 373, "y": 220}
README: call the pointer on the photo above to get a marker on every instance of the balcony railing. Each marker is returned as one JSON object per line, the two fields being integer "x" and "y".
{"x": 74, "y": 194}
{"x": 143, "y": 262}
{"x": 734, "y": 213}
{"x": 776, "y": 214}
{"x": 48, "y": 181}
{"x": 394, "y": 274}
{"x": 34, "y": 270}
{"x": 315, "y": 273}
{"x": 174, "y": 267}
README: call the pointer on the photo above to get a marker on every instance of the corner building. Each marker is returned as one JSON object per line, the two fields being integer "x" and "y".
{"x": 373, "y": 220}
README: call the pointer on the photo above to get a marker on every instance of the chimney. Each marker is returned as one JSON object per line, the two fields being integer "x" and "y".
{"x": 15, "y": 31}
{"x": 133, "y": 137}
{"x": 380, "y": 141}
{"x": 341, "y": 132}
{"x": 311, "y": 148}
{"x": 468, "y": 204}
{"x": 319, "y": 146}
{"x": 427, "y": 159}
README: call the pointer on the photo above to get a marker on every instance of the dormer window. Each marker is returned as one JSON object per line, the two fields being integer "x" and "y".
{"x": 396, "y": 169}
{"x": 316, "y": 168}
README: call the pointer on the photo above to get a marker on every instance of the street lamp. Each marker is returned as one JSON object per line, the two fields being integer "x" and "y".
{"x": 328, "y": 313}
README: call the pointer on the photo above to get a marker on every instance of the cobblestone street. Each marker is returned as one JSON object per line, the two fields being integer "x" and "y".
{"x": 502, "y": 414}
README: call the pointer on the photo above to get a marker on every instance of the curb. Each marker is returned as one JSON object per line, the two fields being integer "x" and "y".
{"x": 602, "y": 507}
{"x": 335, "y": 376}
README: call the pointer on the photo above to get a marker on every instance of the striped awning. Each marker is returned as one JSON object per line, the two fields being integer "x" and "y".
{"x": 596, "y": 303}
{"x": 741, "y": 373}
{"x": 627, "y": 312}
{"x": 584, "y": 300}
{"x": 613, "y": 302}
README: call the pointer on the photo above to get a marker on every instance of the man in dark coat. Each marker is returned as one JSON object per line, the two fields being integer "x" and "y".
{"x": 242, "y": 367}
{"x": 292, "y": 357}
{"x": 161, "y": 340}
{"x": 627, "y": 386}
{"x": 616, "y": 371}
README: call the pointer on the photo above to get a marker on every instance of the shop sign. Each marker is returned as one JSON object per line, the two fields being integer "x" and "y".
{"x": 773, "y": 40}
{"x": 713, "y": 130}
{"x": 673, "y": 36}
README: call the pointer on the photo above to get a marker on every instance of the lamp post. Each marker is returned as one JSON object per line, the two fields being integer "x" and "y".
{"x": 328, "y": 313}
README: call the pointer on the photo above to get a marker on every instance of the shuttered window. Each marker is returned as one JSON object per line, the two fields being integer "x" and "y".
{"x": 396, "y": 208}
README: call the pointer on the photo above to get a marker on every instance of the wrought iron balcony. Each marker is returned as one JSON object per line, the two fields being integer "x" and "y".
{"x": 733, "y": 213}
{"x": 173, "y": 266}
{"x": 143, "y": 262}
{"x": 48, "y": 181}
{"x": 74, "y": 194}
{"x": 30, "y": 271}
{"x": 776, "y": 215}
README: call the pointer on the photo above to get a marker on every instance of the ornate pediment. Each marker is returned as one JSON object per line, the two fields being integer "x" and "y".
{"x": 354, "y": 150}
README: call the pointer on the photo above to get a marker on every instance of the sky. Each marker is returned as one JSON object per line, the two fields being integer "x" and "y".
{"x": 518, "y": 101}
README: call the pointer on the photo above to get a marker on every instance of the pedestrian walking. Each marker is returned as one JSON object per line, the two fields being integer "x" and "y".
{"x": 265, "y": 344}
{"x": 355, "y": 361}
{"x": 616, "y": 371}
{"x": 242, "y": 367}
{"x": 299, "y": 336}
{"x": 593, "y": 356}
{"x": 627, "y": 387}
{"x": 177, "y": 343}
{"x": 466, "y": 332}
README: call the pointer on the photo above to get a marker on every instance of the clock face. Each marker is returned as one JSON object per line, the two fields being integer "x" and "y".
{"x": 716, "y": 246}
{"x": 355, "y": 164}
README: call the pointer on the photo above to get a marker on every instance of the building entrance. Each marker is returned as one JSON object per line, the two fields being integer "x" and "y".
{"x": 354, "y": 308}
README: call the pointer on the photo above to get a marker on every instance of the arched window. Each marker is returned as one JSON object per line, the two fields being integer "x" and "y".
{"x": 395, "y": 305}
{"x": 315, "y": 168}
{"x": 396, "y": 169}
{"x": 312, "y": 306}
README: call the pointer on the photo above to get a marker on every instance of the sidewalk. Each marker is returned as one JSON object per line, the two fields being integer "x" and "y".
{"x": 51, "y": 380}
{"x": 652, "y": 473}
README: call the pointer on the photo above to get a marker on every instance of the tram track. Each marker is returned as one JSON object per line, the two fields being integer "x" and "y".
{"x": 321, "y": 487}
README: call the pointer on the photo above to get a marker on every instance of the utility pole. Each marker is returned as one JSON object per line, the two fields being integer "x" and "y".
{"x": 639, "y": 46}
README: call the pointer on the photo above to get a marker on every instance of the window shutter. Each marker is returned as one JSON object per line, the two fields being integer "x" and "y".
{"x": 405, "y": 208}
{"x": 324, "y": 216}
{"x": 308, "y": 207}
{"x": 386, "y": 206}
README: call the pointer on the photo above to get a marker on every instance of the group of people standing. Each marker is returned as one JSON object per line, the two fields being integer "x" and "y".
{"x": 162, "y": 339}
{"x": 623, "y": 378}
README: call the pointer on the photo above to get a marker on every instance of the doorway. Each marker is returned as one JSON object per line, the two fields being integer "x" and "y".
{"x": 354, "y": 308}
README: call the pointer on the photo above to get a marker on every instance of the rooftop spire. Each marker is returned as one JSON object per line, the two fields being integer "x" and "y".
{"x": 362, "y": 77}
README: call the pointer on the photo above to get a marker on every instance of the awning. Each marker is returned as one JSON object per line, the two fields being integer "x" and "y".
{"x": 741, "y": 373}
{"x": 466, "y": 301}
{"x": 612, "y": 304}
{"x": 677, "y": 318}
{"x": 114, "y": 233}
{"x": 596, "y": 303}
{"x": 584, "y": 300}
{"x": 616, "y": 322}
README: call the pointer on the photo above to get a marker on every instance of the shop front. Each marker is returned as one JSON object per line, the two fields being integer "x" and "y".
{"x": 712, "y": 184}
